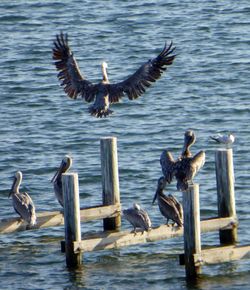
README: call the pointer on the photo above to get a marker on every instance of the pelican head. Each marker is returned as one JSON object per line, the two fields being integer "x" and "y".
{"x": 160, "y": 187}
{"x": 231, "y": 138}
{"x": 64, "y": 167}
{"x": 16, "y": 182}
{"x": 104, "y": 72}
{"x": 137, "y": 207}
{"x": 189, "y": 139}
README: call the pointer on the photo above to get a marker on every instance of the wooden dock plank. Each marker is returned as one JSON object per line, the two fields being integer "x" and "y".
{"x": 55, "y": 218}
{"x": 221, "y": 254}
{"x": 110, "y": 240}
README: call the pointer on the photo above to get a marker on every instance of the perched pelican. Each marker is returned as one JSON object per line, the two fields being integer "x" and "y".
{"x": 224, "y": 139}
{"x": 169, "y": 206}
{"x": 137, "y": 217}
{"x": 22, "y": 202}
{"x": 57, "y": 179}
{"x": 185, "y": 167}
{"x": 104, "y": 93}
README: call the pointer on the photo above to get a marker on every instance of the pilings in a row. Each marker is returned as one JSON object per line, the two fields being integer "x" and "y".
{"x": 111, "y": 196}
{"x": 226, "y": 208}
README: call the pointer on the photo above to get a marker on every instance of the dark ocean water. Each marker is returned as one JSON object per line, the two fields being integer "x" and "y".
{"x": 206, "y": 89}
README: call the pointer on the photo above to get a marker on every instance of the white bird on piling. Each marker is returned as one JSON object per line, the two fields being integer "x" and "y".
{"x": 185, "y": 167}
{"x": 138, "y": 218}
{"x": 22, "y": 202}
{"x": 57, "y": 179}
{"x": 224, "y": 139}
{"x": 104, "y": 93}
{"x": 169, "y": 206}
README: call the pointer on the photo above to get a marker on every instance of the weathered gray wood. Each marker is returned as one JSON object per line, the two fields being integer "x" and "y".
{"x": 215, "y": 224}
{"x": 71, "y": 218}
{"x": 221, "y": 254}
{"x": 225, "y": 192}
{"x": 55, "y": 218}
{"x": 115, "y": 240}
{"x": 100, "y": 212}
{"x": 110, "y": 179}
{"x": 192, "y": 243}
{"x": 112, "y": 240}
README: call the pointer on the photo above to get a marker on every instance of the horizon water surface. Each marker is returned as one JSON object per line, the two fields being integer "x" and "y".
{"x": 206, "y": 90}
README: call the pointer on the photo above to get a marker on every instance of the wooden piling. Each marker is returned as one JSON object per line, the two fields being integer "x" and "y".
{"x": 71, "y": 218}
{"x": 225, "y": 192}
{"x": 110, "y": 179}
{"x": 192, "y": 243}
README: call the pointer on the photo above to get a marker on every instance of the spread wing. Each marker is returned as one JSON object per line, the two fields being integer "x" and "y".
{"x": 136, "y": 84}
{"x": 167, "y": 165}
{"x": 197, "y": 162}
{"x": 69, "y": 73}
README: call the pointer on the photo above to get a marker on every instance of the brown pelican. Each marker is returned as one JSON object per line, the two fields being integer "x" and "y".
{"x": 22, "y": 202}
{"x": 169, "y": 206}
{"x": 105, "y": 93}
{"x": 185, "y": 167}
{"x": 224, "y": 139}
{"x": 57, "y": 179}
{"x": 137, "y": 217}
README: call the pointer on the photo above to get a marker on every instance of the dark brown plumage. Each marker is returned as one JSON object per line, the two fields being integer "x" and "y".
{"x": 103, "y": 94}
{"x": 185, "y": 167}
{"x": 57, "y": 178}
{"x": 169, "y": 206}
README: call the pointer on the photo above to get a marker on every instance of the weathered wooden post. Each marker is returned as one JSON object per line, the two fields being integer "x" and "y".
{"x": 71, "y": 218}
{"x": 192, "y": 242}
{"x": 225, "y": 192}
{"x": 110, "y": 179}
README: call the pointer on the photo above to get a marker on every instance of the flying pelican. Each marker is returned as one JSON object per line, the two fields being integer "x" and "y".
{"x": 185, "y": 167}
{"x": 22, "y": 202}
{"x": 57, "y": 179}
{"x": 104, "y": 93}
{"x": 138, "y": 218}
{"x": 224, "y": 139}
{"x": 169, "y": 206}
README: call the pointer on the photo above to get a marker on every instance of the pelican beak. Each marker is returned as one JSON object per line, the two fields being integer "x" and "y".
{"x": 155, "y": 196}
{"x": 59, "y": 170}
